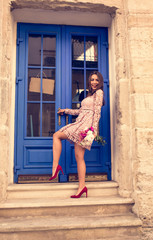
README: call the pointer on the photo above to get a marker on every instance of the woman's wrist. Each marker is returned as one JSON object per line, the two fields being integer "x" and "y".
{"x": 95, "y": 134}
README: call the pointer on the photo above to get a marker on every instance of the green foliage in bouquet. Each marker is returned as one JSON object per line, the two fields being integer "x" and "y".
{"x": 100, "y": 140}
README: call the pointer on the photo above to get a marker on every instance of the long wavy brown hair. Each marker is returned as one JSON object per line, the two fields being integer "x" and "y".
{"x": 100, "y": 85}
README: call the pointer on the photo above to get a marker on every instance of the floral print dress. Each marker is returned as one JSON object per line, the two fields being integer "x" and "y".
{"x": 88, "y": 115}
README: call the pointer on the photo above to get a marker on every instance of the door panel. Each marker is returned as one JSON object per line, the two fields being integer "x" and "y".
{"x": 53, "y": 65}
{"x": 88, "y": 53}
{"x": 37, "y": 97}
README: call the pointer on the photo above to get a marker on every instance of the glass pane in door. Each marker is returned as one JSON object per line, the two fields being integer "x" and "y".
{"x": 41, "y": 85}
{"x": 48, "y": 85}
{"x": 34, "y": 84}
{"x": 34, "y": 50}
{"x": 33, "y": 120}
{"x": 77, "y": 51}
{"x": 48, "y": 119}
{"x": 49, "y": 51}
{"x": 77, "y": 85}
{"x": 91, "y": 52}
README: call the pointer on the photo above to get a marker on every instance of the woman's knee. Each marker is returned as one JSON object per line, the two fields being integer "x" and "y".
{"x": 79, "y": 153}
{"x": 59, "y": 135}
{"x": 79, "y": 158}
{"x": 55, "y": 135}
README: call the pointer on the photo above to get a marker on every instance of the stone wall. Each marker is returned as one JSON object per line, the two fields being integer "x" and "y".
{"x": 5, "y": 93}
{"x": 132, "y": 26}
{"x": 140, "y": 35}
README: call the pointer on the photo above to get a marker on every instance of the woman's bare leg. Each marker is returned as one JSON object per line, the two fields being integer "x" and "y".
{"x": 81, "y": 166}
{"x": 57, "y": 148}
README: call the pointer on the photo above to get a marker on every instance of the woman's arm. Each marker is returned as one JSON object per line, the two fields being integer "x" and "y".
{"x": 69, "y": 111}
{"x": 98, "y": 100}
{"x": 72, "y": 111}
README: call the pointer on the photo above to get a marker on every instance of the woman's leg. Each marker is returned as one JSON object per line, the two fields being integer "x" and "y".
{"x": 81, "y": 166}
{"x": 57, "y": 148}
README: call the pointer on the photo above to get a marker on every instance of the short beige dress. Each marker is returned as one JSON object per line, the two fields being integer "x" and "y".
{"x": 88, "y": 115}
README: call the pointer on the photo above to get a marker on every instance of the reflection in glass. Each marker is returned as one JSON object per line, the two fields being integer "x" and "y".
{"x": 34, "y": 50}
{"x": 88, "y": 72}
{"x": 77, "y": 84}
{"x": 49, "y": 51}
{"x": 33, "y": 120}
{"x": 91, "y": 52}
{"x": 48, "y": 119}
{"x": 48, "y": 85}
{"x": 75, "y": 106}
{"x": 77, "y": 51}
{"x": 34, "y": 84}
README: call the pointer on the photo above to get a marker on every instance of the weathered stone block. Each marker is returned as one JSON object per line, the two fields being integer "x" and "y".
{"x": 142, "y": 101}
{"x": 4, "y": 149}
{"x": 68, "y": 5}
{"x": 143, "y": 177}
{"x": 4, "y": 86}
{"x": 141, "y": 42}
{"x": 142, "y": 85}
{"x": 140, "y": 6}
{"x": 141, "y": 67}
{"x": 124, "y": 160}
{"x": 142, "y": 119}
{"x": 147, "y": 233}
{"x": 123, "y": 95}
{"x": 3, "y": 185}
{"x": 140, "y": 20}
{"x": 144, "y": 145}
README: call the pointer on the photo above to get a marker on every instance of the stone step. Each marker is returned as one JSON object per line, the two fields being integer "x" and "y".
{"x": 98, "y": 206}
{"x": 127, "y": 227}
{"x": 55, "y": 190}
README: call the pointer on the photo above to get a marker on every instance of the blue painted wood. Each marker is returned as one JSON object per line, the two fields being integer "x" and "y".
{"x": 97, "y": 158}
{"x": 33, "y": 155}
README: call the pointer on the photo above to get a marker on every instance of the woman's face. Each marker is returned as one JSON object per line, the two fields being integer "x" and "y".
{"x": 94, "y": 82}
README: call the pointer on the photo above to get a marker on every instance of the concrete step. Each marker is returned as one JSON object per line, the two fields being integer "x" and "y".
{"x": 127, "y": 227}
{"x": 98, "y": 206}
{"x": 46, "y": 211}
{"x": 55, "y": 190}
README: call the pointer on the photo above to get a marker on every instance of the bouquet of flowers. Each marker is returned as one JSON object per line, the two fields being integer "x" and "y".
{"x": 100, "y": 140}
{"x": 87, "y": 137}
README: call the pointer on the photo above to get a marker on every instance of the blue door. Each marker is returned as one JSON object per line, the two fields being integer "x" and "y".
{"x": 53, "y": 65}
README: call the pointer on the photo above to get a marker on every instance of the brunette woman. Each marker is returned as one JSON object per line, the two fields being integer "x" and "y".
{"x": 88, "y": 115}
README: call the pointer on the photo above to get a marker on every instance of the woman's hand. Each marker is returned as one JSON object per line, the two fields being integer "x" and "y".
{"x": 95, "y": 134}
{"x": 61, "y": 111}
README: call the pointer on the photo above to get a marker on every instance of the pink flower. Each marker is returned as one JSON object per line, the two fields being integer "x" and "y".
{"x": 86, "y": 136}
{"x": 92, "y": 129}
{"x": 83, "y": 134}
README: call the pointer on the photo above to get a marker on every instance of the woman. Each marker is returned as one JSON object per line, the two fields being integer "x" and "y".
{"x": 88, "y": 115}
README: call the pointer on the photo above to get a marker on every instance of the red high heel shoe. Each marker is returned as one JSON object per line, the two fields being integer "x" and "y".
{"x": 84, "y": 190}
{"x": 59, "y": 168}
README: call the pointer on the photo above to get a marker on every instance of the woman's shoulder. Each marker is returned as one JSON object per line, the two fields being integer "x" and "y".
{"x": 99, "y": 92}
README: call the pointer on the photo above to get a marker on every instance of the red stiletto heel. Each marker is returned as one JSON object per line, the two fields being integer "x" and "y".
{"x": 59, "y": 168}
{"x": 84, "y": 190}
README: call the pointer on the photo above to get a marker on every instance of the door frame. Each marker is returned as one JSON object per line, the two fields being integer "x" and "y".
{"x": 63, "y": 74}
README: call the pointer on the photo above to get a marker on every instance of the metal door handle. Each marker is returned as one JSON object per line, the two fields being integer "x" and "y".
{"x": 59, "y": 118}
{"x": 67, "y": 119}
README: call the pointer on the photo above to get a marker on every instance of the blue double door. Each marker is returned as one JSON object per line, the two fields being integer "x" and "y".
{"x": 53, "y": 66}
